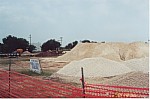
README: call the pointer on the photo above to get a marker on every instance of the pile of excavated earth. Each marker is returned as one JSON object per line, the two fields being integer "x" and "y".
{"x": 108, "y": 63}
{"x": 117, "y": 51}
{"x": 94, "y": 67}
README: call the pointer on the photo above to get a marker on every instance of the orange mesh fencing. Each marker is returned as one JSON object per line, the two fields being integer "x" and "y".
{"x": 18, "y": 85}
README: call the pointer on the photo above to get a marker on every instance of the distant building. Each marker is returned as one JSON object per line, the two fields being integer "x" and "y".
{"x": 38, "y": 46}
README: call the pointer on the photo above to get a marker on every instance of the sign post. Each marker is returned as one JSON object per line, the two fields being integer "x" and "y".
{"x": 35, "y": 66}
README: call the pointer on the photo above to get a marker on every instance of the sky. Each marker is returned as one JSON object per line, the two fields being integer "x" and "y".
{"x": 95, "y": 20}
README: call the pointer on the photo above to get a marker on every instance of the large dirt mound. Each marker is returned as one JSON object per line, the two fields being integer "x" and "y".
{"x": 117, "y": 51}
{"x": 94, "y": 67}
{"x": 102, "y": 67}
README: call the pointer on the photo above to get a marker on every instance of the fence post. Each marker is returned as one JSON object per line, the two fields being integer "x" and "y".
{"x": 83, "y": 87}
{"x": 9, "y": 73}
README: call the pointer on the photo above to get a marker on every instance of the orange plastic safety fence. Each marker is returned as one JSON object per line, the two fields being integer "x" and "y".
{"x": 116, "y": 91}
{"x": 23, "y": 86}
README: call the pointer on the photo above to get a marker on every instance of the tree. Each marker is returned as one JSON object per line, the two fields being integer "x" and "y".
{"x": 86, "y": 41}
{"x": 31, "y": 48}
{"x": 4, "y": 48}
{"x": 71, "y": 45}
{"x": 1, "y": 46}
{"x": 12, "y": 43}
{"x": 74, "y": 44}
{"x": 50, "y": 45}
{"x": 22, "y": 43}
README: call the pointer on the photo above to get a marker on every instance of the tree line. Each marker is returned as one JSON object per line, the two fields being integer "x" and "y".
{"x": 52, "y": 44}
{"x": 12, "y": 43}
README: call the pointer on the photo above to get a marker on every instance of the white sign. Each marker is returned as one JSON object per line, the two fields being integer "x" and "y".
{"x": 35, "y": 65}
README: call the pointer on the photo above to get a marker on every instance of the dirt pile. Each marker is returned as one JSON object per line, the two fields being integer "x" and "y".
{"x": 134, "y": 50}
{"x": 94, "y": 67}
{"x": 102, "y": 67}
{"x": 141, "y": 64}
{"x": 123, "y": 64}
{"x": 100, "y": 70}
{"x": 117, "y": 51}
{"x": 134, "y": 79}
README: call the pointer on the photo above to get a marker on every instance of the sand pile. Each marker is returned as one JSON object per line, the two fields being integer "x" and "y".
{"x": 94, "y": 67}
{"x": 87, "y": 50}
{"x": 134, "y": 79}
{"x": 117, "y": 51}
{"x": 100, "y": 70}
{"x": 141, "y": 64}
{"x": 102, "y": 67}
{"x": 135, "y": 50}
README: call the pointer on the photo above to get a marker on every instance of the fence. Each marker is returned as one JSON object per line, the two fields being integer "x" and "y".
{"x": 24, "y": 86}
{"x": 16, "y": 85}
{"x": 108, "y": 91}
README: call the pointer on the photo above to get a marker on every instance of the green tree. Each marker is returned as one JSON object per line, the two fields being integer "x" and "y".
{"x": 74, "y": 44}
{"x": 86, "y": 41}
{"x": 31, "y": 48}
{"x": 1, "y": 47}
{"x": 11, "y": 43}
{"x": 5, "y": 48}
{"x": 22, "y": 43}
{"x": 71, "y": 45}
{"x": 50, "y": 45}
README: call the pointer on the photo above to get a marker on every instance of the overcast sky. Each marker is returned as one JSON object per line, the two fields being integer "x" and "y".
{"x": 97, "y": 20}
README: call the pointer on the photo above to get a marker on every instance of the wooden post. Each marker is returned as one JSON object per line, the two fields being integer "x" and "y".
{"x": 83, "y": 87}
{"x": 40, "y": 66}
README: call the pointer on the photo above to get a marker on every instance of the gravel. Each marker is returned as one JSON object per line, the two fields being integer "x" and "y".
{"x": 123, "y": 64}
{"x": 99, "y": 70}
{"x": 134, "y": 79}
{"x": 94, "y": 67}
{"x": 141, "y": 64}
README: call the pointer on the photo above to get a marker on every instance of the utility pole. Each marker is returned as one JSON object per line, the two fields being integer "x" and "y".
{"x": 30, "y": 38}
{"x": 61, "y": 40}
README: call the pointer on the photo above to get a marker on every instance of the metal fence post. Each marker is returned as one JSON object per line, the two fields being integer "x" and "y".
{"x": 9, "y": 73}
{"x": 83, "y": 87}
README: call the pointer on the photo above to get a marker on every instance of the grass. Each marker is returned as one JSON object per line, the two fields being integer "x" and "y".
{"x": 25, "y": 59}
{"x": 6, "y": 62}
{"x": 31, "y": 73}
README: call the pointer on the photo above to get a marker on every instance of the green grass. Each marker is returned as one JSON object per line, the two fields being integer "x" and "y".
{"x": 31, "y": 73}
{"x": 25, "y": 59}
{"x": 6, "y": 62}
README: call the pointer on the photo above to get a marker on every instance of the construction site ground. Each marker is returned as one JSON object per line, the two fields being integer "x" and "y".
{"x": 119, "y": 64}
{"x": 22, "y": 65}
